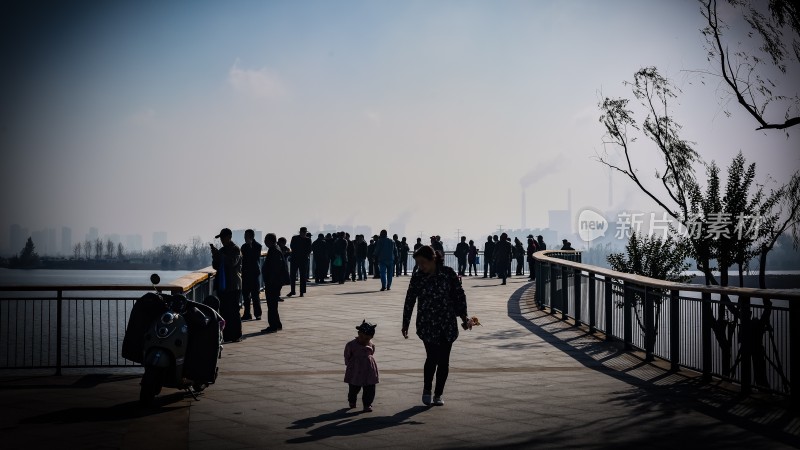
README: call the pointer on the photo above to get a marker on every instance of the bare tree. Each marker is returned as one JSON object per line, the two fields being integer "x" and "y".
{"x": 120, "y": 250}
{"x": 76, "y": 250}
{"x": 98, "y": 248}
{"x": 110, "y": 249}
{"x": 746, "y": 72}
{"x": 87, "y": 249}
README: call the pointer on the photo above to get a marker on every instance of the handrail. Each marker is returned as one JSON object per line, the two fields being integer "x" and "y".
{"x": 180, "y": 285}
{"x": 775, "y": 294}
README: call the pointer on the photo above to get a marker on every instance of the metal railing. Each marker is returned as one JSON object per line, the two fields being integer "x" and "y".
{"x": 738, "y": 334}
{"x": 76, "y": 326}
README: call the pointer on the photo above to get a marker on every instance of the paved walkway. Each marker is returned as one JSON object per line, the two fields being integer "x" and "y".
{"x": 522, "y": 380}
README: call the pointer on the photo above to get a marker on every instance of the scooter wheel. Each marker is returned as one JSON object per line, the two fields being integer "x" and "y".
{"x": 199, "y": 387}
{"x": 150, "y": 385}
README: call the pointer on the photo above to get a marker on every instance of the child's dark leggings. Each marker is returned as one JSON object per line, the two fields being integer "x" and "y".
{"x": 438, "y": 362}
{"x": 367, "y": 398}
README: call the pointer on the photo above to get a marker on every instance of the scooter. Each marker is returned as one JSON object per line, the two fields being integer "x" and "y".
{"x": 178, "y": 342}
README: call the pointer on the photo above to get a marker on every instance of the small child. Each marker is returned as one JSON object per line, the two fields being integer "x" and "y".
{"x": 362, "y": 371}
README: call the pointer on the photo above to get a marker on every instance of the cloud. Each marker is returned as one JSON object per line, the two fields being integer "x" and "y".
{"x": 543, "y": 169}
{"x": 262, "y": 83}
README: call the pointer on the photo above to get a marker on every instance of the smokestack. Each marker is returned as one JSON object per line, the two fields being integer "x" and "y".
{"x": 524, "y": 212}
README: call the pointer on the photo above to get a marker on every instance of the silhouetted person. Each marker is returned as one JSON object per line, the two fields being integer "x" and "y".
{"x": 519, "y": 255}
{"x": 373, "y": 266}
{"x": 287, "y": 253}
{"x": 251, "y": 273}
{"x": 494, "y": 266}
{"x": 301, "y": 250}
{"x": 488, "y": 255}
{"x": 472, "y": 256}
{"x": 461, "y": 251}
{"x": 340, "y": 258}
{"x": 361, "y": 257}
{"x": 416, "y": 247}
{"x": 385, "y": 251}
{"x": 320, "y": 249}
{"x": 502, "y": 257}
{"x": 351, "y": 258}
{"x": 532, "y": 248}
{"x": 540, "y": 243}
{"x": 274, "y": 273}
{"x": 329, "y": 241}
{"x": 436, "y": 243}
{"x": 227, "y": 260}
{"x": 567, "y": 245}
{"x": 404, "y": 255}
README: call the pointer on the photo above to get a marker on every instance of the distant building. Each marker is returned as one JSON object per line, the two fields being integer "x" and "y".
{"x": 560, "y": 221}
{"x": 66, "y": 241}
{"x": 159, "y": 239}
{"x": 52, "y": 248}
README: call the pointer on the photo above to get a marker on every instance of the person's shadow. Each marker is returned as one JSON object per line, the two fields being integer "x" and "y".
{"x": 347, "y": 423}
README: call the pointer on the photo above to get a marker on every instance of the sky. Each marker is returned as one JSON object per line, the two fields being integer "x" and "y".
{"x": 419, "y": 117}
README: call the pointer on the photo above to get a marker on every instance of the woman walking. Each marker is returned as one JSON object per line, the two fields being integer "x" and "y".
{"x": 441, "y": 300}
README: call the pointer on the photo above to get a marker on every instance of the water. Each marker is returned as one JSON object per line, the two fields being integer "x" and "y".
{"x": 10, "y": 277}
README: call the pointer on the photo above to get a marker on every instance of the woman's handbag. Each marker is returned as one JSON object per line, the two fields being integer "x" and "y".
{"x": 477, "y": 260}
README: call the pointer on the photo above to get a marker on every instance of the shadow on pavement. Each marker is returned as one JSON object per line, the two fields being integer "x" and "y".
{"x": 347, "y": 423}
{"x": 84, "y": 382}
{"x": 648, "y": 401}
{"x": 122, "y": 411}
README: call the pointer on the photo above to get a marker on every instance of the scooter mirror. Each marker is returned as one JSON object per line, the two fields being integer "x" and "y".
{"x": 155, "y": 279}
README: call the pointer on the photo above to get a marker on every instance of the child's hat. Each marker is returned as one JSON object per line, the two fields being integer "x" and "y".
{"x": 367, "y": 328}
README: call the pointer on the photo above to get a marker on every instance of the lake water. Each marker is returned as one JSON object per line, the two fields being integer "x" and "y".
{"x": 10, "y": 277}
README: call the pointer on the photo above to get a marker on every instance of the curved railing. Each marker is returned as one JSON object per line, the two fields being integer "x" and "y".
{"x": 738, "y": 334}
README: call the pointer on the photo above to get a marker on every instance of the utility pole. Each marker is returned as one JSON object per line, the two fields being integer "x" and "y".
{"x": 500, "y": 229}
{"x": 458, "y": 234}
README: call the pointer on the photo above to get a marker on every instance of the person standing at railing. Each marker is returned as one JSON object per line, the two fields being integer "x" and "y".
{"x": 472, "y": 256}
{"x": 404, "y": 255}
{"x": 320, "y": 249}
{"x": 361, "y": 257}
{"x": 519, "y": 255}
{"x": 566, "y": 245}
{"x": 385, "y": 251}
{"x": 532, "y": 248}
{"x": 397, "y": 265}
{"x": 339, "y": 258}
{"x": 461, "y": 251}
{"x": 301, "y": 250}
{"x": 373, "y": 266}
{"x": 275, "y": 276}
{"x": 540, "y": 245}
{"x": 251, "y": 271}
{"x": 227, "y": 261}
{"x": 502, "y": 257}
{"x": 488, "y": 255}
{"x": 416, "y": 247}
{"x": 330, "y": 239}
{"x": 351, "y": 258}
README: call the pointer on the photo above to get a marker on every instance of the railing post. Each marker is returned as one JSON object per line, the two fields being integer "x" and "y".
{"x": 576, "y": 284}
{"x": 539, "y": 291}
{"x": 745, "y": 337}
{"x": 553, "y": 290}
{"x": 564, "y": 299}
{"x": 609, "y": 307}
{"x": 592, "y": 299}
{"x": 627, "y": 328}
{"x": 649, "y": 332}
{"x": 59, "y": 315}
{"x": 674, "y": 329}
{"x": 794, "y": 352}
{"x": 706, "y": 315}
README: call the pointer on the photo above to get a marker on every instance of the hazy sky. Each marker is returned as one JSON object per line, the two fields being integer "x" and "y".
{"x": 424, "y": 116}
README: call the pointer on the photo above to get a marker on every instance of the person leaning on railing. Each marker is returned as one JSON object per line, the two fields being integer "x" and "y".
{"x": 228, "y": 283}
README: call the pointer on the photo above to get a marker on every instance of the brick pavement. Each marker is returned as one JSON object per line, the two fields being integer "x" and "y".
{"x": 522, "y": 380}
